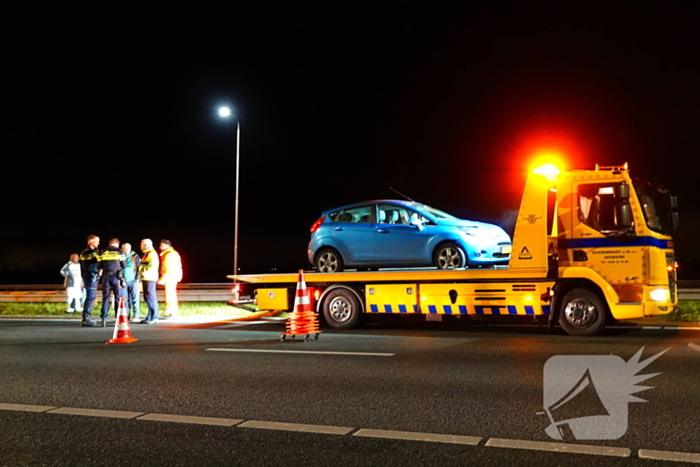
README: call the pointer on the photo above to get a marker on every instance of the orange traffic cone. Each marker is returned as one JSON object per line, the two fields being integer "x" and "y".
{"x": 303, "y": 320}
{"x": 122, "y": 331}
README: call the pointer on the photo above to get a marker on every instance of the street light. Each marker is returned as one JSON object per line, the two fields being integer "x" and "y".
{"x": 225, "y": 112}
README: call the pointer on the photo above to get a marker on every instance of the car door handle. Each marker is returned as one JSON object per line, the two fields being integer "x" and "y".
{"x": 340, "y": 228}
{"x": 382, "y": 231}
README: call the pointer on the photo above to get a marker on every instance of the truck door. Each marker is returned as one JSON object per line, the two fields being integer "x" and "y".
{"x": 600, "y": 243}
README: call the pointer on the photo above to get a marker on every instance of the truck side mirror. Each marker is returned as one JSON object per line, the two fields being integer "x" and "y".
{"x": 623, "y": 215}
{"x": 673, "y": 200}
{"x": 622, "y": 191}
{"x": 674, "y": 220}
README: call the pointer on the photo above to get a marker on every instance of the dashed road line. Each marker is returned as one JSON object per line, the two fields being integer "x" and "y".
{"x": 326, "y": 429}
{"x": 694, "y": 346}
{"x": 95, "y": 412}
{"x": 669, "y": 456}
{"x": 159, "y": 417}
{"x": 558, "y": 447}
{"x": 367, "y": 433}
{"x": 26, "y": 408}
{"x": 311, "y": 352}
{"x": 414, "y": 436}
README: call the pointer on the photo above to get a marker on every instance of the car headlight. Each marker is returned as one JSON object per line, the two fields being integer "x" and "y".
{"x": 660, "y": 295}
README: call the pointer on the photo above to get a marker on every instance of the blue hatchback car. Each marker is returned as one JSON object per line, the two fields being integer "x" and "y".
{"x": 391, "y": 233}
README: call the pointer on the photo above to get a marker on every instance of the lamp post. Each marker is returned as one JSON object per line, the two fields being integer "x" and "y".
{"x": 225, "y": 112}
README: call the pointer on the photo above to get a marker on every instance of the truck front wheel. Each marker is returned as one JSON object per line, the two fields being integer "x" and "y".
{"x": 341, "y": 308}
{"x": 582, "y": 313}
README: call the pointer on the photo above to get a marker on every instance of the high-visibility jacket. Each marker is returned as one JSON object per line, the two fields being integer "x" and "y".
{"x": 170, "y": 265}
{"x": 112, "y": 260}
{"x": 148, "y": 269}
{"x": 89, "y": 258}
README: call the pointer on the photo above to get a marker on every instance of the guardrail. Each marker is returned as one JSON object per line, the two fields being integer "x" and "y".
{"x": 205, "y": 292}
{"x": 52, "y": 293}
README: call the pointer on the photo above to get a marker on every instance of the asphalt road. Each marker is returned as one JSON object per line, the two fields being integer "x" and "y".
{"x": 470, "y": 382}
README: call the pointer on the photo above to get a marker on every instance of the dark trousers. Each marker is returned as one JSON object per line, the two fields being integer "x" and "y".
{"x": 149, "y": 295}
{"x": 132, "y": 299}
{"x": 91, "y": 281}
{"x": 110, "y": 284}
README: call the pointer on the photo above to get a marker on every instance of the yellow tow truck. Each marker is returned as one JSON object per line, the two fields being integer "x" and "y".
{"x": 589, "y": 247}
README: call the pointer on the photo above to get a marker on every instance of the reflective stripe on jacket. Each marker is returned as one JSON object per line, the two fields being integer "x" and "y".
{"x": 112, "y": 260}
{"x": 88, "y": 262}
{"x": 148, "y": 269}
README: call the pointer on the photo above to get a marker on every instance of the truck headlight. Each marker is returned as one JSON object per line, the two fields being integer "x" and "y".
{"x": 660, "y": 295}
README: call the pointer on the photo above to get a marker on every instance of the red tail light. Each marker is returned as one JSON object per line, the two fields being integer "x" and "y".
{"x": 236, "y": 288}
{"x": 317, "y": 224}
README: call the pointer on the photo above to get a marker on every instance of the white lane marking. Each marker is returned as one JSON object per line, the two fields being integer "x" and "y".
{"x": 669, "y": 456}
{"x": 414, "y": 436}
{"x": 694, "y": 346}
{"x": 96, "y": 413}
{"x": 159, "y": 417}
{"x": 311, "y": 352}
{"x": 26, "y": 408}
{"x": 329, "y": 430}
{"x": 558, "y": 447}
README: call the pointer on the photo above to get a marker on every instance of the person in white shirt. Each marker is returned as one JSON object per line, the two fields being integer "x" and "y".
{"x": 73, "y": 283}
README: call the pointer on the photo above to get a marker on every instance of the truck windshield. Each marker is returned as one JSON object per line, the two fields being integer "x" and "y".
{"x": 656, "y": 205}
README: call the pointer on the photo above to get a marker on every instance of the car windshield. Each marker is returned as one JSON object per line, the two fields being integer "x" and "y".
{"x": 434, "y": 212}
{"x": 655, "y": 205}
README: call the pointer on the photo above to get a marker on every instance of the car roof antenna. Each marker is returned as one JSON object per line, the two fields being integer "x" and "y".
{"x": 397, "y": 191}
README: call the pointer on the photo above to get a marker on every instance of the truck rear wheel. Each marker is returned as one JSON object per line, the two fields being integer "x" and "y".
{"x": 341, "y": 308}
{"x": 582, "y": 313}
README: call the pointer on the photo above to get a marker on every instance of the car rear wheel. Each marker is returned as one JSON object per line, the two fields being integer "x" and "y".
{"x": 450, "y": 256}
{"x": 329, "y": 260}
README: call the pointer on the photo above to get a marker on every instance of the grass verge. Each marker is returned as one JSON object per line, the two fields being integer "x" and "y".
{"x": 213, "y": 309}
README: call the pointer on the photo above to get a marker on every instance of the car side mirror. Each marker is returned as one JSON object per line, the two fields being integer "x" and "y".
{"x": 417, "y": 223}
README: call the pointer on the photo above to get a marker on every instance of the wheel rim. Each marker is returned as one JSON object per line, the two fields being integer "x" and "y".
{"x": 327, "y": 262}
{"x": 340, "y": 309}
{"x": 581, "y": 313}
{"x": 449, "y": 258}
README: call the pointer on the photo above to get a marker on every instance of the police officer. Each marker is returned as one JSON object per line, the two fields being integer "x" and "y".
{"x": 112, "y": 263}
{"x": 89, "y": 259}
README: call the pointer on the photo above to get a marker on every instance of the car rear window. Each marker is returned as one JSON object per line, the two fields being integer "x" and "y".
{"x": 359, "y": 214}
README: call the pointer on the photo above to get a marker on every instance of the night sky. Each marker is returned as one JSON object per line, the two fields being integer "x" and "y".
{"x": 109, "y": 123}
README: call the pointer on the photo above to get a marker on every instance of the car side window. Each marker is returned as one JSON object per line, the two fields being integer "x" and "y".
{"x": 360, "y": 214}
{"x": 392, "y": 214}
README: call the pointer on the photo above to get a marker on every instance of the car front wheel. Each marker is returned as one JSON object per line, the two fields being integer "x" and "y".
{"x": 329, "y": 261}
{"x": 450, "y": 256}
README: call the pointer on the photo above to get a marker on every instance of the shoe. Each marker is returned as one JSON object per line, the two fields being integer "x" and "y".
{"x": 89, "y": 324}
{"x": 166, "y": 316}
{"x": 79, "y": 310}
{"x": 70, "y": 310}
{"x": 150, "y": 321}
{"x": 135, "y": 320}
{"x": 104, "y": 323}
